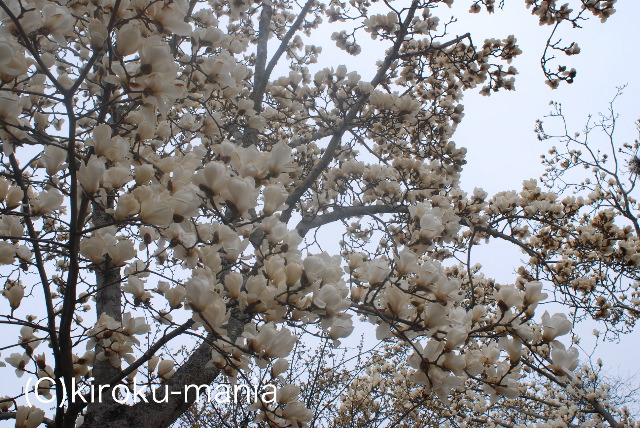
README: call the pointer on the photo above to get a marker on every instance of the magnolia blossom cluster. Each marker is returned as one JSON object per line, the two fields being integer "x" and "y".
{"x": 116, "y": 338}
{"x": 384, "y": 392}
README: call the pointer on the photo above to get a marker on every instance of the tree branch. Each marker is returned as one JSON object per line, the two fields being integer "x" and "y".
{"x": 308, "y": 223}
{"x": 433, "y": 49}
{"x": 355, "y": 109}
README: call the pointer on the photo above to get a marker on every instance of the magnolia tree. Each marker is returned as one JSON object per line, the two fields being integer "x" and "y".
{"x": 166, "y": 165}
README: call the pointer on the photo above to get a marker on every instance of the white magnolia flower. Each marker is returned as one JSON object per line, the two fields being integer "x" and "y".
{"x": 274, "y": 195}
{"x": 510, "y": 296}
{"x": 47, "y": 202}
{"x": 90, "y": 174}
{"x": 212, "y": 177}
{"x": 53, "y": 159}
{"x": 175, "y": 296}
{"x": 7, "y": 253}
{"x": 29, "y": 417}
{"x": 128, "y": 39}
{"x": 157, "y": 210}
{"x": 431, "y": 225}
{"x": 14, "y": 197}
{"x": 128, "y": 205}
{"x": 331, "y": 299}
{"x": 19, "y": 361}
{"x": 98, "y": 33}
{"x": 377, "y": 271}
{"x": 241, "y": 193}
{"x": 269, "y": 342}
{"x": 14, "y": 295}
{"x": 532, "y": 296}
{"x": 135, "y": 286}
{"x": 279, "y": 366}
{"x": 165, "y": 369}
{"x": 280, "y": 159}
{"x": 555, "y": 326}
{"x": 58, "y": 21}
{"x": 94, "y": 248}
{"x": 341, "y": 326}
{"x": 199, "y": 293}
{"x": 287, "y": 393}
{"x": 564, "y": 361}
{"x": 407, "y": 262}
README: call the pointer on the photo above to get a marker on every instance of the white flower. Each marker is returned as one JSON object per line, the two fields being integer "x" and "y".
{"x": 532, "y": 296}
{"x": 238, "y": 7}
{"x": 287, "y": 393}
{"x": 509, "y": 295}
{"x": 554, "y": 326}
{"x": 455, "y": 337}
{"x": 279, "y": 366}
{"x": 297, "y": 414}
{"x": 98, "y": 33}
{"x": 407, "y": 262}
{"x": 144, "y": 173}
{"x": 29, "y": 417}
{"x": 377, "y": 271}
{"x": 58, "y": 21}
{"x": 47, "y": 202}
{"x": 431, "y": 225}
{"x": 274, "y": 195}
{"x": 269, "y": 342}
{"x": 19, "y": 361}
{"x": 90, "y": 175}
{"x": 14, "y": 295}
{"x": 175, "y": 296}
{"x": 117, "y": 176}
{"x": 171, "y": 16}
{"x": 341, "y": 326}
{"x": 24, "y": 253}
{"x": 184, "y": 204}
{"x": 134, "y": 325}
{"x": 12, "y": 60}
{"x": 331, "y": 300}
{"x": 135, "y": 286}
{"x": 564, "y": 361}
{"x": 513, "y": 347}
{"x": 53, "y": 158}
{"x": 128, "y": 205}
{"x": 165, "y": 369}
{"x": 7, "y": 253}
{"x": 396, "y": 300}
{"x": 128, "y": 39}
{"x": 435, "y": 315}
{"x": 279, "y": 158}
{"x": 241, "y": 193}
{"x": 156, "y": 54}
{"x": 157, "y": 210}
{"x": 233, "y": 284}
{"x": 93, "y": 248}
{"x": 212, "y": 177}
{"x": 14, "y": 197}
{"x": 199, "y": 294}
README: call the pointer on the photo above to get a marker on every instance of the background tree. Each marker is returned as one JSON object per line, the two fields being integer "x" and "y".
{"x": 159, "y": 181}
{"x": 374, "y": 388}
